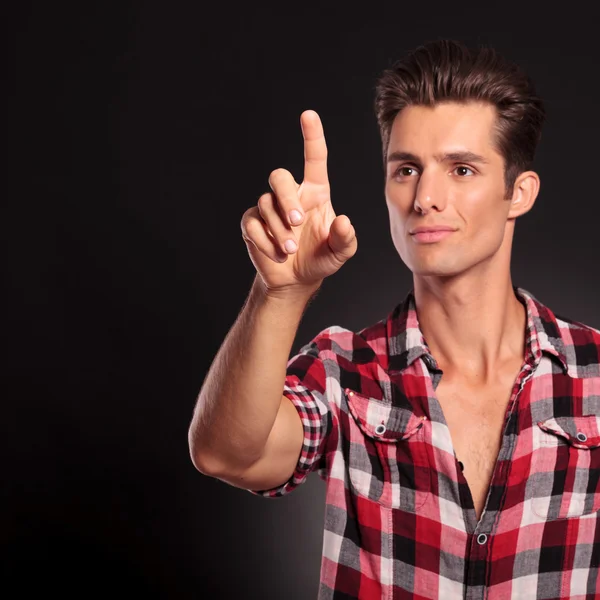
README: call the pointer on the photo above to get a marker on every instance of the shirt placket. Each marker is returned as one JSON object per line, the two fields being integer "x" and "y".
{"x": 478, "y": 559}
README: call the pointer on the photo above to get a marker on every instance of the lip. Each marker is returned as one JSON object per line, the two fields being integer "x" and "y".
{"x": 424, "y": 228}
{"x": 431, "y": 234}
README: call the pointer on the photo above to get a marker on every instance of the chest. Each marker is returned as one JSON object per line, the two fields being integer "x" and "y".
{"x": 475, "y": 420}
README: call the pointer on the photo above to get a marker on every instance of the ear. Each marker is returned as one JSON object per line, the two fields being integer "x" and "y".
{"x": 525, "y": 191}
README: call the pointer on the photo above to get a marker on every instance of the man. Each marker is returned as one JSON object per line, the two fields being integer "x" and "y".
{"x": 459, "y": 437}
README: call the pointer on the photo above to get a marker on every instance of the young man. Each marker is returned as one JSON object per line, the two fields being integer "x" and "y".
{"x": 459, "y": 437}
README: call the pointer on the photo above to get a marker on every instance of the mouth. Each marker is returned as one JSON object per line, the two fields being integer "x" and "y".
{"x": 431, "y": 236}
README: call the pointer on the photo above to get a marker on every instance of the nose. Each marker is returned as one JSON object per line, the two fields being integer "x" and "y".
{"x": 429, "y": 193}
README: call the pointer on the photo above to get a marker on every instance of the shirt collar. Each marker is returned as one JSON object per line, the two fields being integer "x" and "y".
{"x": 406, "y": 342}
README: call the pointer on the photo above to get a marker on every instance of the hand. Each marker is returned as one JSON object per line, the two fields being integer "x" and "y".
{"x": 323, "y": 241}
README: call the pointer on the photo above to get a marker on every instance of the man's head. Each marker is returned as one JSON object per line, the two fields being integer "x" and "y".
{"x": 459, "y": 130}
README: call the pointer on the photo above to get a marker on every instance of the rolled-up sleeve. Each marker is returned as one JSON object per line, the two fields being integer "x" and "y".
{"x": 305, "y": 385}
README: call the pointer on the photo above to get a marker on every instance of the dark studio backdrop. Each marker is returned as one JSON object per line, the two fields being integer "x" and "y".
{"x": 138, "y": 134}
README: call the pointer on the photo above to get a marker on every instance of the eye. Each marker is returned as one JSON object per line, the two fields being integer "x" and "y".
{"x": 406, "y": 171}
{"x": 461, "y": 171}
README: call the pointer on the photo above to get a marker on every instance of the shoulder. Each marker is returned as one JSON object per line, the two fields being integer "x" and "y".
{"x": 338, "y": 358}
{"x": 581, "y": 345}
{"x": 365, "y": 345}
{"x": 580, "y": 330}
{"x": 576, "y": 343}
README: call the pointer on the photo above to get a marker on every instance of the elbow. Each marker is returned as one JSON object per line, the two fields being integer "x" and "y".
{"x": 205, "y": 461}
{"x": 216, "y": 463}
{"x": 198, "y": 457}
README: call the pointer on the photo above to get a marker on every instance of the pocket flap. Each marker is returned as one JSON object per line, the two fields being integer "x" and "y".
{"x": 581, "y": 432}
{"x": 382, "y": 420}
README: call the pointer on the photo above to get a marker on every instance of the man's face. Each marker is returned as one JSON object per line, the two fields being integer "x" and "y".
{"x": 443, "y": 170}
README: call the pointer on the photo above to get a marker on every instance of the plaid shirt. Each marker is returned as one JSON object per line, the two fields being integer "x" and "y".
{"x": 399, "y": 518}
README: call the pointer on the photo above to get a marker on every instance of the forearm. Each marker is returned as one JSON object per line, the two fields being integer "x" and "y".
{"x": 242, "y": 392}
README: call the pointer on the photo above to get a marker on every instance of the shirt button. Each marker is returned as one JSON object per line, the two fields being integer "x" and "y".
{"x": 380, "y": 429}
{"x": 481, "y": 539}
{"x": 581, "y": 436}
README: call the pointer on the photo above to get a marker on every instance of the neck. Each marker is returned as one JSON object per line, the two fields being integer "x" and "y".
{"x": 473, "y": 327}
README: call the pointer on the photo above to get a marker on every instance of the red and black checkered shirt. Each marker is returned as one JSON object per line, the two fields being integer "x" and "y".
{"x": 399, "y": 518}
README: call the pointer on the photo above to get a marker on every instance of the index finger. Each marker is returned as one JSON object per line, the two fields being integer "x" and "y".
{"x": 315, "y": 149}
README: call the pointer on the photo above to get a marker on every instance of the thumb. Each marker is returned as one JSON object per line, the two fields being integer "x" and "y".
{"x": 342, "y": 238}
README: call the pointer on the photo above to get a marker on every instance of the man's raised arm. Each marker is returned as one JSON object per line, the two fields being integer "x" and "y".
{"x": 243, "y": 427}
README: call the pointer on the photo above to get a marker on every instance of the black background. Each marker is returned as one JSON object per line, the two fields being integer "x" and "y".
{"x": 138, "y": 134}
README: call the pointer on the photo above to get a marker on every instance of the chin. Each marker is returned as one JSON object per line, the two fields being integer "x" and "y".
{"x": 436, "y": 272}
{"x": 435, "y": 268}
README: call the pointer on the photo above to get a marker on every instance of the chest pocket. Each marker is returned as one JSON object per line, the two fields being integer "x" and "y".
{"x": 388, "y": 460}
{"x": 566, "y": 467}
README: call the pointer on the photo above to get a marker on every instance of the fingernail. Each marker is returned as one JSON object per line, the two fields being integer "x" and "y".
{"x": 290, "y": 246}
{"x": 295, "y": 217}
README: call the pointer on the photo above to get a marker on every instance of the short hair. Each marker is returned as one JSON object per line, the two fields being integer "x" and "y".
{"x": 448, "y": 71}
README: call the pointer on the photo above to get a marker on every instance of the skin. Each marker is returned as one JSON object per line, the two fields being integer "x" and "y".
{"x": 468, "y": 313}
{"x": 467, "y": 310}
{"x": 260, "y": 446}
{"x": 321, "y": 240}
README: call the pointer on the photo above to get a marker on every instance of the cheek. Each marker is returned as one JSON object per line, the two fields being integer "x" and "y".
{"x": 485, "y": 213}
{"x": 399, "y": 199}
{"x": 483, "y": 200}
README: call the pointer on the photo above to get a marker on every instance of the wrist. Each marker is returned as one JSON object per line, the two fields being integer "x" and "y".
{"x": 292, "y": 294}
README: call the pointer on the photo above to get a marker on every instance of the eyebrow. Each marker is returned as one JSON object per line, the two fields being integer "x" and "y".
{"x": 458, "y": 156}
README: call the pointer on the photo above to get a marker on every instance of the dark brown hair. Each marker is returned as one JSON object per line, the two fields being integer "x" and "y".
{"x": 446, "y": 71}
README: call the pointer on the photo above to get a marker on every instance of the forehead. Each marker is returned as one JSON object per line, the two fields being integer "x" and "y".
{"x": 424, "y": 129}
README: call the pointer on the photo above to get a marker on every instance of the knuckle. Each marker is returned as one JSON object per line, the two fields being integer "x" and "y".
{"x": 323, "y": 195}
{"x": 252, "y": 228}
{"x": 278, "y": 175}
{"x": 265, "y": 201}
{"x": 248, "y": 216}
